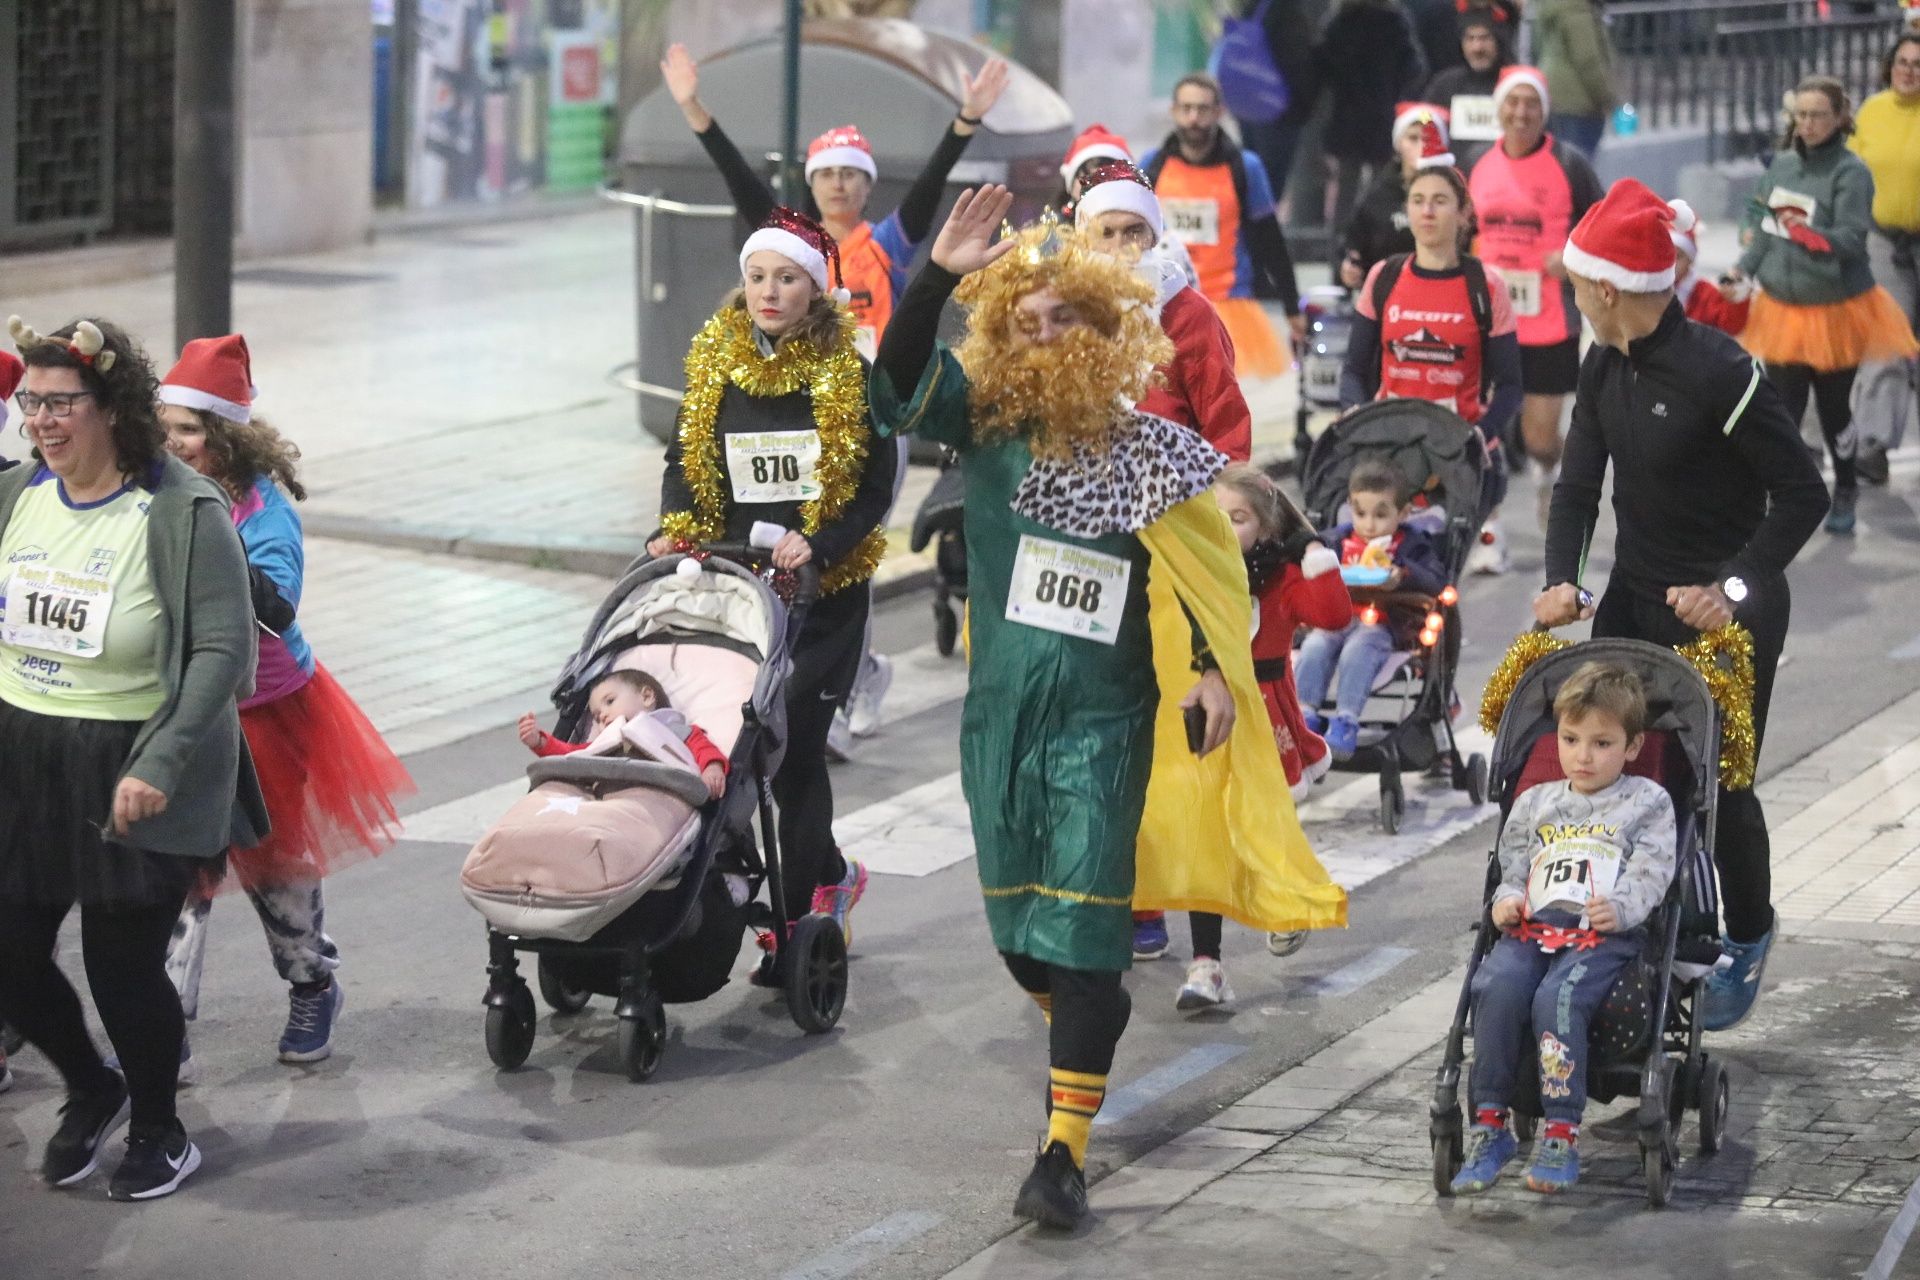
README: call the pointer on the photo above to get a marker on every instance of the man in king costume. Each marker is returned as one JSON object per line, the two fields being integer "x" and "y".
{"x": 1107, "y": 597}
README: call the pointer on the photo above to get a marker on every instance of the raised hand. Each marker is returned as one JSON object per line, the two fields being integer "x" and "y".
{"x": 967, "y": 242}
{"x": 682, "y": 75}
{"x": 985, "y": 89}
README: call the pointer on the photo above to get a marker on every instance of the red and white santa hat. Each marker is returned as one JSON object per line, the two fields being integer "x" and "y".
{"x": 1096, "y": 142}
{"x": 803, "y": 242}
{"x": 1408, "y": 114}
{"x": 214, "y": 374}
{"x": 1517, "y": 76}
{"x": 1626, "y": 240}
{"x": 1686, "y": 225}
{"x": 1433, "y": 146}
{"x": 844, "y": 147}
{"x": 1117, "y": 186}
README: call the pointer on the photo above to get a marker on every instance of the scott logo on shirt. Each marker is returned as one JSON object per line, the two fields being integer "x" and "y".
{"x": 1552, "y": 832}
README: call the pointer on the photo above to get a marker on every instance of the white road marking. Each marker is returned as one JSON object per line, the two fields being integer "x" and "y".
{"x": 1351, "y": 977}
{"x": 1161, "y": 1081}
{"x": 916, "y": 833}
{"x": 876, "y": 1242}
{"x": 465, "y": 820}
{"x": 1895, "y": 1243}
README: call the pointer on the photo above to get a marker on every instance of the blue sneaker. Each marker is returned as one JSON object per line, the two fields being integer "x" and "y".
{"x": 1556, "y": 1166}
{"x": 1488, "y": 1151}
{"x": 1731, "y": 991}
{"x": 310, "y": 1023}
{"x": 1343, "y": 735}
{"x": 1315, "y": 721}
{"x": 1150, "y": 938}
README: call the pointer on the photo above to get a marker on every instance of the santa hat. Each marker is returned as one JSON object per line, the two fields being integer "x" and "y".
{"x": 1116, "y": 186}
{"x": 1408, "y": 114}
{"x": 11, "y": 371}
{"x": 1433, "y": 145}
{"x": 802, "y": 241}
{"x": 1627, "y": 239}
{"x": 843, "y": 147}
{"x": 213, "y": 374}
{"x": 1517, "y": 76}
{"x": 1686, "y": 225}
{"x": 1096, "y": 142}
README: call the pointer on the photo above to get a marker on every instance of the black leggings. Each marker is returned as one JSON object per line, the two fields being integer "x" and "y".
{"x": 1832, "y": 400}
{"x": 125, "y": 950}
{"x": 1741, "y": 848}
{"x": 1090, "y": 1011}
{"x": 1206, "y": 934}
{"x": 825, "y": 660}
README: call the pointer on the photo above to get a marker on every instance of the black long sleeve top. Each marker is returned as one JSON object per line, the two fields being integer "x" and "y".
{"x": 1710, "y": 479}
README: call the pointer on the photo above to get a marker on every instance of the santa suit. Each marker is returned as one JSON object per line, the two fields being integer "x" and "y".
{"x": 1311, "y": 594}
{"x": 1197, "y": 388}
{"x": 1705, "y": 304}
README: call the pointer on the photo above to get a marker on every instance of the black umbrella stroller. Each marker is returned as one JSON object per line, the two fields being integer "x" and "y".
{"x": 1646, "y": 1039}
{"x": 1444, "y": 459}
{"x": 718, "y": 641}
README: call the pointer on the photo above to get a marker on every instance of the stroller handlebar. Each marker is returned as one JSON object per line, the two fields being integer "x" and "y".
{"x": 807, "y": 576}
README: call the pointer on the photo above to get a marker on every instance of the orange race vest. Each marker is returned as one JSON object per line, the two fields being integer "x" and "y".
{"x": 1203, "y": 210}
{"x": 867, "y": 270}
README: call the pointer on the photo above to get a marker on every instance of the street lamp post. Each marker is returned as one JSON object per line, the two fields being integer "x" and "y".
{"x": 203, "y": 146}
{"x": 790, "y": 168}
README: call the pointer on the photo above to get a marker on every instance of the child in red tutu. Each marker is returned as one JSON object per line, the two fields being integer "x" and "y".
{"x": 620, "y": 698}
{"x": 329, "y": 779}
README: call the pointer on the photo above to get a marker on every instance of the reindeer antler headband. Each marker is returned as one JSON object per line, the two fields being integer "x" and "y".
{"x": 87, "y": 345}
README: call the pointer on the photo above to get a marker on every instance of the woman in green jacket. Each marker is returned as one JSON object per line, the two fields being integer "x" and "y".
{"x": 1819, "y": 315}
{"x": 126, "y": 634}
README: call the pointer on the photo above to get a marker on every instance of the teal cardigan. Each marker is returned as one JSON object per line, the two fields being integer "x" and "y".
{"x": 191, "y": 749}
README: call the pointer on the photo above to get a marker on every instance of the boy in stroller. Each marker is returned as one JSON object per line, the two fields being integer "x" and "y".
{"x": 622, "y": 698}
{"x": 1377, "y": 538}
{"x": 1583, "y": 863}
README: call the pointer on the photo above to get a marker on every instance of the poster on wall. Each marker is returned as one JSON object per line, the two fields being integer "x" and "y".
{"x": 445, "y": 156}
{"x": 582, "y": 86}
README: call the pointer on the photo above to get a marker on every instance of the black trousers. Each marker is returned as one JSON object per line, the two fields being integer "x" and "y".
{"x": 1090, "y": 1011}
{"x": 1741, "y": 848}
{"x": 1833, "y": 401}
{"x": 1206, "y": 934}
{"x": 826, "y": 658}
{"x": 125, "y": 952}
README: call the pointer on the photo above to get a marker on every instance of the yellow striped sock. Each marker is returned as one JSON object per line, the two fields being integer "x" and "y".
{"x": 1077, "y": 1096}
{"x": 1045, "y": 1000}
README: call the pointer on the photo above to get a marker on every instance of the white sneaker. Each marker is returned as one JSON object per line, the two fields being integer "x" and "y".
{"x": 1206, "y": 987}
{"x": 1489, "y": 556}
{"x": 839, "y": 739}
{"x": 876, "y": 677}
{"x": 1285, "y": 944}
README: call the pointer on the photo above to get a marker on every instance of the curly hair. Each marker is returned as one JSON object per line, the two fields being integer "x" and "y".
{"x": 242, "y": 452}
{"x": 826, "y": 325}
{"x": 127, "y": 394}
{"x": 1066, "y": 390}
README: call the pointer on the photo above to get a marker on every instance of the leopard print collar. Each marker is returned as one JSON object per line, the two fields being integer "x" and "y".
{"x": 1121, "y": 484}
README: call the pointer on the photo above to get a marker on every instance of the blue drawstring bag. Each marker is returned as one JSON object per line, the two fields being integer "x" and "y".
{"x": 1250, "y": 79}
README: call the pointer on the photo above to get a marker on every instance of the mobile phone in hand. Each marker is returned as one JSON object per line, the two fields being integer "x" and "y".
{"x": 1196, "y": 720}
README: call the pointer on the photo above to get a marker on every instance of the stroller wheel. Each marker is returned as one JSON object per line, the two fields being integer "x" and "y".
{"x": 560, "y": 996}
{"x": 1657, "y": 1160}
{"x": 643, "y": 1038}
{"x": 510, "y": 1028}
{"x": 816, "y": 973}
{"x": 946, "y": 628}
{"x": 1714, "y": 1097}
{"x": 1393, "y": 806}
{"x": 1448, "y": 1156}
{"x": 1477, "y": 789}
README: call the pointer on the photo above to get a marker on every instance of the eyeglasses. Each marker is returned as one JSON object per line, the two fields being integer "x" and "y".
{"x": 1906, "y": 64}
{"x": 58, "y": 405}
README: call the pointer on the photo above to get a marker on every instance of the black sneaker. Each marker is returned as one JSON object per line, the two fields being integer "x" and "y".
{"x": 1871, "y": 463}
{"x": 1055, "y": 1193}
{"x": 1840, "y": 517}
{"x": 159, "y": 1158}
{"x": 86, "y": 1121}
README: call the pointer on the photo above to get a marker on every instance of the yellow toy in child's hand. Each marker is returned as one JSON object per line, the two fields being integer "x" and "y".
{"x": 1378, "y": 555}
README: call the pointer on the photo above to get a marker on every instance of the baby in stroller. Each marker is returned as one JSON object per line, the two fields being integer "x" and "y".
{"x": 1377, "y": 548}
{"x": 1583, "y": 863}
{"x": 633, "y": 716}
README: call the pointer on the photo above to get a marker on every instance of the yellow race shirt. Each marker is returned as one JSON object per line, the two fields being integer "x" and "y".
{"x": 79, "y": 621}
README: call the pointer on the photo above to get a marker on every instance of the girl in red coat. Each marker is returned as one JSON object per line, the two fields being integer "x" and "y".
{"x": 1296, "y": 582}
{"x": 1705, "y": 302}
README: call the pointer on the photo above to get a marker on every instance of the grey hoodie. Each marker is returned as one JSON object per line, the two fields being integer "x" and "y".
{"x": 1633, "y": 818}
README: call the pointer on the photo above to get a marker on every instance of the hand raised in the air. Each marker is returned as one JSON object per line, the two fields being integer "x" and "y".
{"x": 968, "y": 241}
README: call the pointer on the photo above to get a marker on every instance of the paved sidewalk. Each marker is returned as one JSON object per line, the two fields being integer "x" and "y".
{"x": 1327, "y": 1166}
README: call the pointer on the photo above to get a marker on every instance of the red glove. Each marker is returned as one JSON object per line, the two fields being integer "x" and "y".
{"x": 1809, "y": 239}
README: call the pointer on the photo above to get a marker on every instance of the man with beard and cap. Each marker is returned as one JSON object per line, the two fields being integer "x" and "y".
{"x": 1114, "y": 746}
{"x": 1466, "y": 91}
{"x": 1220, "y": 205}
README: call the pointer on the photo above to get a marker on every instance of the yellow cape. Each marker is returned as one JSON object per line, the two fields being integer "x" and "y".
{"x": 1220, "y": 833}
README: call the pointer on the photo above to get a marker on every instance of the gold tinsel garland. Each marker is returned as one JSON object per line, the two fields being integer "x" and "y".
{"x": 1723, "y": 657}
{"x": 725, "y": 352}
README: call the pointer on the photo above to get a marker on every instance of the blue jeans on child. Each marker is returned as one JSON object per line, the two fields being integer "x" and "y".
{"x": 1353, "y": 656}
{"x": 1526, "y": 1000}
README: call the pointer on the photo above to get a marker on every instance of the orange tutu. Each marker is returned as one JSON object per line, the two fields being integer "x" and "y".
{"x": 329, "y": 780}
{"x": 1258, "y": 350}
{"x": 1829, "y": 336}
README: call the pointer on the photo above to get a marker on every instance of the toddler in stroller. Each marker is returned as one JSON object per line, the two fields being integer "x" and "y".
{"x": 1590, "y": 959}
{"x": 627, "y": 876}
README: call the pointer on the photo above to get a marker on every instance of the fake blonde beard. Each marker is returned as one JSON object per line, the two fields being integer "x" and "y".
{"x": 1076, "y": 387}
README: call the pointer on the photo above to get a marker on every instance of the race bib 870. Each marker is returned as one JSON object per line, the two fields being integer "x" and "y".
{"x": 773, "y": 466}
{"x": 1072, "y": 590}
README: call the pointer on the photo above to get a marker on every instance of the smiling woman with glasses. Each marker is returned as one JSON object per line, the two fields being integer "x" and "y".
{"x": 126, "y": 631}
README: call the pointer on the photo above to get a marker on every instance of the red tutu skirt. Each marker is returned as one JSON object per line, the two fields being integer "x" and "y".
{"x": 329, "y": 780}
